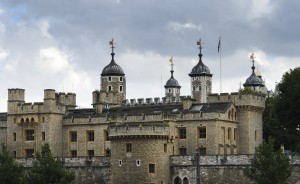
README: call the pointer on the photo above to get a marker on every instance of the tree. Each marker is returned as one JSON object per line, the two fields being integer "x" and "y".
{"x": 268, "y": 166}
{"x": 287, "y": 108}
{"x": 48, "y": 170}
{"x": 10, "y": 171}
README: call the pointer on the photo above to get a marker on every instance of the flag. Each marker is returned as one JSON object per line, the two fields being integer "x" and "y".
{"x": 219, "y": 44}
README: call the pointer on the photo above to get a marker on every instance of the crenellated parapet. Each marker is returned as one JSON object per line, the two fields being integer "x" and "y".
{"x": 134, "y": 130}
{"x": 239, "y": 99}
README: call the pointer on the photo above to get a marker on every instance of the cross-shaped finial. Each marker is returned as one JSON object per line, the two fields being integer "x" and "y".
{"x": 171, "y": 61}
{"x": 252, "y": 56}
{"x": 200, "y": 43}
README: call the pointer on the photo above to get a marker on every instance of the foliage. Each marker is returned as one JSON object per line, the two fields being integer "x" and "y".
{"x": 271, "y": 127}
{"x": 287, "y": 108}
{"x": 10, "y": 171}
{"x": 250, "y": 91}
{"x": 268, "y": 166}
{"x": 48, "y": 170}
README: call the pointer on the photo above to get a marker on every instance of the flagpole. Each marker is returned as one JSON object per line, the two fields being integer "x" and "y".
{"x": 220, "y": 51}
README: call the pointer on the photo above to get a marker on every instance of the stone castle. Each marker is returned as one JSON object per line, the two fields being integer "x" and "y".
{"x": 139, "y": 136}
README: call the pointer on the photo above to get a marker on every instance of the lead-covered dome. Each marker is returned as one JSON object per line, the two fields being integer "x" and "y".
{"x": 200, "y": 69}
{"x": 172, "y": 83}
{"x": 253, "y": 80}
{"x": 112, "y": 69}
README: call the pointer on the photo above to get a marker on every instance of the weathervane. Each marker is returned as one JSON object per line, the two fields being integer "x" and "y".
{"x": 112, "y": 44}
{"x": 252, "y": 56}
{"x": 172, "y": 64}
{"x": 200, "y": 43}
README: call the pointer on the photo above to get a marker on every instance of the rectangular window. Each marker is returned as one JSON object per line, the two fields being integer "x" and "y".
{"x": 29, "y": 135}
{"x": 182, "y": 151}
{"x": 165, "y": 148}
{"x": 202, "y": 151}
{"x": 120, "y": 162}
{"x": 90, "y": 135}
{"x": 182, "y": 133}
{"x": 43, "y": 119}
{"x": 202, "y": 132}
{"x": 152, "y": 168}
{"x": 128, "y": 147}
{"x": 107, "y": 152}
{"x": 229, "y": 133}
{"x": 15, "y": 137}
{"x": 43, "y": 136}
{"x": 73, "y": 136}
{"x": 29, "y": 153}
{"x": 73, "y": 153}
{"x": 235, "y": 134}
{"x": 91, "y": 153}
{"x": 121, "y": 79}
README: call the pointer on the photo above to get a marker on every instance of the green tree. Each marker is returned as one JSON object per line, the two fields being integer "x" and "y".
{"x": 48, "y": 170}
{"x": 287, "y": 108}
{"x": 10, "y": 171}
{"x": 268, "y": 166}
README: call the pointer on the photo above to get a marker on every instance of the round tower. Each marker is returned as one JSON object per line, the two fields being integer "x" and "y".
{"x": 201, "y": 79}
{"x": 172, "y": 87}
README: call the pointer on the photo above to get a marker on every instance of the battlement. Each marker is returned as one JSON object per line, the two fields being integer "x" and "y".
{"x": 238, "y": 99}
{"x": 153, "y": 101}
{"x": 139, "y": 130}
{"x": 16, "y": 95}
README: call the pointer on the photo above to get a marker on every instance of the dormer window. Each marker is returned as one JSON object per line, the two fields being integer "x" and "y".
{"x": 109, "y": 78}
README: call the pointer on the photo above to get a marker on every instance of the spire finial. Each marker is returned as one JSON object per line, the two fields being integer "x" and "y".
{"x": 112, "y": 44}
{"x": 172, "y": 64}
{"x": 252, "y": 56}
{"x": 200, "y": 43}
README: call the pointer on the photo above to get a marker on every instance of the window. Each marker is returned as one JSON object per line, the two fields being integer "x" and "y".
{"x": 109, "y": 88}
{"x": 43, "y": 136}
{"x": 255, "y": 135}
{"x": 43, "y": 119}
{"x": 120, "y": 162}
{"x": 109, "y": 78}
{"x": 128, "y": 147}
{"x": 235, "y": 134}
{"x": 194, "y": 88}
{"x": 14, "y": 137}
{"x": 90, "y": 135}
{"x": 152, "y": 168}
{"x": 138, "y": 162}
{"x": 29, "y": 153}
{"x": 165, "y": 148}
{"x": 169, "y": 90}
{"x": 73, "y": 136}
{"x": 229, "y": 133}
{"x": 121, "y": 79}
{"x": 106, "y": 135}
{"x": 229, "y": 114}
{"x": 182, "y": 151}
{"x": 199, "y": 88}
{"x": 91, "y": 153}
{"x": 121, "y": 88}
{"x": 107, "y": 152}
{"x": 73, "y": 153}
{"x": 29, "y": 135}
{"x": 202, "y": 132}
{"x": 182, "y": 133}
{"x": 202, "y": 151}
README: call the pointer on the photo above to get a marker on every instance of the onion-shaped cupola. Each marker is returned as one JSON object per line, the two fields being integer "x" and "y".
{"x": 112, "y": 69}
{"x": 172, "y": 82}
{"x": 200, "y": 69}
{"x": 253, "y": 80}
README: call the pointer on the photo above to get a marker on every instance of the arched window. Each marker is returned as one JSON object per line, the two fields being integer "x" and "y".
{"x": 22, "y": 120}
{"x": 229, "y": 113}
{"x": 27, "y": 120}
{"x": 185, "y": 180}
{"x": 109, "y": 78}
{"x": 232, "y": 111}
{"x": 169, "y": 90}
{"x": 109, "y": 88}
{"x": 32, "y": 120}
{"x": 235, "y": 116}
{"x": 121, "y": 79}
{"x": 121, "y": 88}
{"x": 177, "y": 180}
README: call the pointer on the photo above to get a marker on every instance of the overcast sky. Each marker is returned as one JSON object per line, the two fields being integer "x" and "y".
{"x": 63, "y": 44}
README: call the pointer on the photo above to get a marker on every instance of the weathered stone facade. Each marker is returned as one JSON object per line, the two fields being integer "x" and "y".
{"x": 140, "y": 136}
